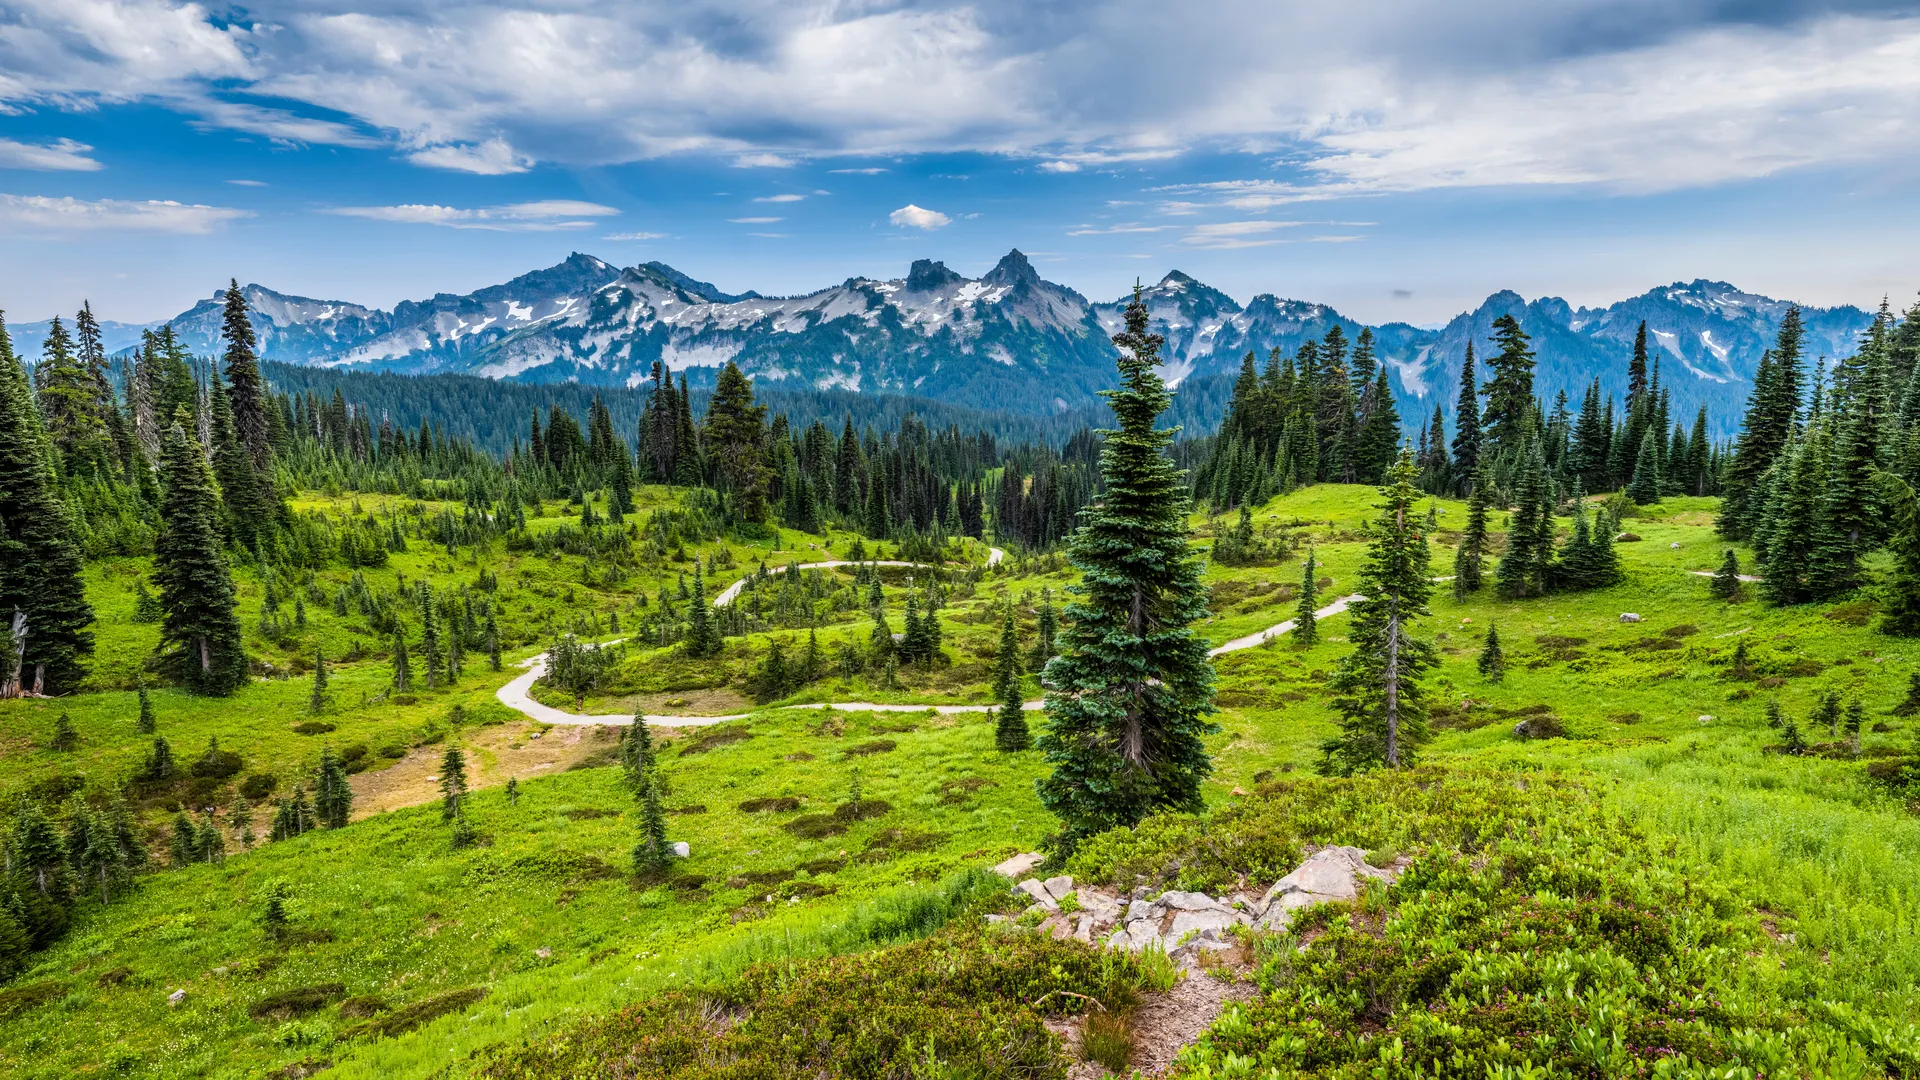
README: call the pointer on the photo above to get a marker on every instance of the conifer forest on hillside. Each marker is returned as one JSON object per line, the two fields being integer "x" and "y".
{"x": 384, "y": 726}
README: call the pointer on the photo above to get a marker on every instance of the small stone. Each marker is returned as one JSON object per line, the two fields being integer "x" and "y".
{"x": 176, "y": 998}
{"x": 683, "y": 849}
{"x": 1018, "y": 866}
{"x": 1631, "y": 616}
{"x": 1706, "y": 718}
{"x": 1188, "y": 901}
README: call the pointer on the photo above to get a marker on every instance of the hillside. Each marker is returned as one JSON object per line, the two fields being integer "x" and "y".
{"x": 1802, "y": 859}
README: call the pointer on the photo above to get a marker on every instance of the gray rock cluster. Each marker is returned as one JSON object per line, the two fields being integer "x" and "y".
{"x": 1185, "y": 924}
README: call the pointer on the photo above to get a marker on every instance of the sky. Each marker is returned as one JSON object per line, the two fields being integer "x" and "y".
{"x": 1399, "y": 159}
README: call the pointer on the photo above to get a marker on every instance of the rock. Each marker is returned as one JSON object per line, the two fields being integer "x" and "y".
{"x": 991, "y": 919}
{"x": 683, "y": 849}
{"x": 176, "y": 998}
{"x": 1140, "y": 909}
{"x": 1136, "y": 935}
{"x": 1706, "y": 718}
{"x": 1209, "y": 925}
{"x": 1058, "y": 887}
{"x": 1188, "y": 901}
{"x": 1328, "y": 874}
{"x": 1546, "y": 726}
{"x": 1083, "y": 928}
{"x": 1041, "y": 896}
{"x": 1675, "y": 546}
{"x": 1627, "y": 538}
{"x": 1236, "y": 791}
{"x": 1631, "y": 616}
{"x": 1017, "y": 867}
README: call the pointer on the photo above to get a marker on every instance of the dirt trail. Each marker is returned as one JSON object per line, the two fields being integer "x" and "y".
{"x": 994, "y": 555}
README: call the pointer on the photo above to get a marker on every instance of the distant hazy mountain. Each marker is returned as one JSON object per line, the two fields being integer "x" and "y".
{"x": 1007, "y": 341}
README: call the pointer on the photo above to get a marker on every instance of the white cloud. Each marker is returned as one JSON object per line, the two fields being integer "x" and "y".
{"x": 491, "y": 158}
{"x": 1114, "y": 230}
{"x": 1394, "y": 96}
{"x": 635, "y": 236}
{"x": 789, "y": 197}
{"x": 753, "y": 220}
{"x": 248, "y": 183}
{"x": 911, "y": 216}
{"x": 858, "y": 172}
{"x": 1226, "y": 235}
{"x": 60, "y": 155}
{"x": 42, "y": 213}
{"x": 549, "y": 215}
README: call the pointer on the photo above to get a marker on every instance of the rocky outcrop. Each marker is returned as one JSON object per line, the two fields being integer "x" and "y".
{"x": 1186, "y": 924}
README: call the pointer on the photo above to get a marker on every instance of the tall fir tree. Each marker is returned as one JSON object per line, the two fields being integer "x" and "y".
{"x": 200, "y": 639}
{"x": 332, "y": 794}
{"x": 42, "y": 588}
{"x": 1645, "y": 487}
{"x": 1510, "y": 404}
{"x": 1010, "y": 732}
{"x": 1306, "y": 625}
{"x": 246, "y": 518}
{"x": 652, "y": 855}
{"x": 317, "y": 699}
{"x": 1125, "y": 726}
{"x": 453, "y": 783}
{"x": 1492, "y": 661}
{"x": 1466, "y": 424}
{"x": 703, "y": 630}
{"x": 1381, "y": 703}
{"x": 736, "y": 436}
{"x": 1469, "y": 560}
{"x": 1772, "y": 417}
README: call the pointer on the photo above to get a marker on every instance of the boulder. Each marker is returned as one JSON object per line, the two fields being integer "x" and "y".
{"x": 1058, "y": 887}
{"x": 1627, "y": 538}
{"x": 176, "y": 998}
{"x": 1630, "y": 616}
{"x": 1211, "y": 924}
{"x": 1020, "y": 865}
{"x": 1329, "y": 874}
{"x": 683, "y": 849}
{"x": 1039, "y": 893}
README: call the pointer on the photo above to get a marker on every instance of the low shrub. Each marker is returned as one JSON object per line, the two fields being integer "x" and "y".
{"x": 361, "y": 1006}
{"x": 297, "y": 1001}
{"x": 402, "y": 1020}
{"x": 715, "y": 737}
{"x": 21, "y": 998}
{"x": 877, "y": 746}
{"x": 782, "y": 804}
{"x": 312, "y": 727}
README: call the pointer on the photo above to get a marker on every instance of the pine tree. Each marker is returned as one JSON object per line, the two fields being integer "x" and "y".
{"x": 1522, "y": 568}
{"x": 246, "y": 519}
{"x": 1492, "y": 662}
{"x": 1381, "y": 434}
{"x": 402, "y": 668}
{"x": 1010, "y": 731}
{"x": 66, "y": 738}
{"x": 41, "y": 585}
{"x": 1827, "y": 714}
{"x": 145, "y": 725}
{"x": 636, "y": 752}
{"x": 1466, "y": 425}
{"x": 453, "y": 783}
{"x": 200, "y": 641}
{"x": 1644, "y": 489}
{"x": 1306, "y": 625}
{"x": 1135, "y": 686}
{"x": 703, "y": 632}
{"x": 273, "y": 912}
{"x": 1856, "y": 716}
{"x": 1510, "y": 391}
{"x": 317, "y": 700}
{"x": 247, "y": 390}
{"x": 493, "y": 644}
{"x": 1380, "y": 700}
{"x": 1469, "y": 561}
{"x": 183, "y": 846}
{"x": 513, "y": 791}
{"x": 735, "y": 439}
{"x": 159, "y": 767}
{"x": 1726, "y": 580}
{"x": 1773, "y": 410}
{"x": 652, "y": 855}
{"x": 332, "y": 794}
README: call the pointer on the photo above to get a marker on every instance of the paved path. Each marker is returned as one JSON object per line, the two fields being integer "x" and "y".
{"x": 994, "y": 555}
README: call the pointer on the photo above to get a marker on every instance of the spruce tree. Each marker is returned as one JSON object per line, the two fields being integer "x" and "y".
{"x": 1466, "y": 425}
{"x": 402, "y": 667}
{"x": 1379, "y": 697}
{"x": 1010, "y": 731}
{"x": 652, "y": 855}
{"x": 1856, "y": 716}
{"x": 1644, "y": 489}
{"x": 317, "y": 700}
{"x": 636, "y": 752}
{"x": 247, "y": 390}
{"x": 65, "y": 738}
{"x": 200, "y": 642}
{"x": 41, "y": 584}
{"x": 1306, "y": 625}
{"x": 1492, "y": 662}
{"x": 513, "y": 791}
{"x": 332, "y": 794}
{"x": 703, "y": 631}
{"x": 145, "y": 725}
{"x": 1134, "y": 683}
{"x": 735, "y": 438}
{"x": 493, "y": 644}
{"x": 1510, "y": 401}
{"x": 1469, "y": 561}
{"x": 1773, "y": 411}
{"x": 1827, "y": 714}
{"x": 1521, "y": 569}
{"x": 1726, "y": 580}
{"x": 247, "y": 519}
{"x": 453, "y": 783}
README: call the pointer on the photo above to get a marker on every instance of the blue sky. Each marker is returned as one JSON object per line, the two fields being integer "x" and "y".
{"x": 1398, "y": 160}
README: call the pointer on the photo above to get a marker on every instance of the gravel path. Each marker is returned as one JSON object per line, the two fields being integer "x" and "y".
{"x": 994, "y": 555}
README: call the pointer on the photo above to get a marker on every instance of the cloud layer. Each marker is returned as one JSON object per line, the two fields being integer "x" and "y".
{"x": 548, "y": 215}
{"x": 1641, "y": 95}
{"x": 44, "y": 214}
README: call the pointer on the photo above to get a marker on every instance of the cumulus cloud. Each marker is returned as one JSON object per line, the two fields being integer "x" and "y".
{"x": 1401, "y": 95}
{"x": 40, "y": 213}
{"x": 549, "y": 215}
{"x": 60, "y": 155}
{"x": 915, "y": 217}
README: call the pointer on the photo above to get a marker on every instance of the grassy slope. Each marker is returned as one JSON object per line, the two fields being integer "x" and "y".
{"x": 412, "y": 918}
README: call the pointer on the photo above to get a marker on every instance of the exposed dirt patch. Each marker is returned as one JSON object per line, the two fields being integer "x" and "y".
{"x": 718, "y": 701}
{"x": 494, "y": 753}
{"x": 1165, "y": 1023}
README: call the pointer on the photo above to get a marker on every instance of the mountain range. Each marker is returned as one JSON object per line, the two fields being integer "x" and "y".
{"x": 1006, "y": 341}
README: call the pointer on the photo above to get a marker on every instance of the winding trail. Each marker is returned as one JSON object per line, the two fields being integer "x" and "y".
{"x": 994, "y": 555}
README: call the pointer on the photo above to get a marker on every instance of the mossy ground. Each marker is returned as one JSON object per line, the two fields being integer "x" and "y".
{"x": 410, "y": 919}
